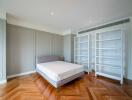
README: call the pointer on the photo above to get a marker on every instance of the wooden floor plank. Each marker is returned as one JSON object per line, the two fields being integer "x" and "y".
{"x": 88, "y": 87}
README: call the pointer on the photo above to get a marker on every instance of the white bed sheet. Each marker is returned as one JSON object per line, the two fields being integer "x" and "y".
{"x": 59, "y": 70}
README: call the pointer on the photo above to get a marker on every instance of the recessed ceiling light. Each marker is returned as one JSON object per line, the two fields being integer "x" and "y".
{"x": 52, "y": 13}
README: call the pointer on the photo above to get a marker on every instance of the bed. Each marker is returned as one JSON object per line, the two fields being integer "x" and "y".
{"x": 56, "y": 71}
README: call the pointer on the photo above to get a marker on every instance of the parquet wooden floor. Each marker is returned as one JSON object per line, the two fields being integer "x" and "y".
{"x": 88, "y": 87}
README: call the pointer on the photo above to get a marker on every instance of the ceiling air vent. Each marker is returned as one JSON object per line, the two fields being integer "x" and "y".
{"x": 106, "y": 25}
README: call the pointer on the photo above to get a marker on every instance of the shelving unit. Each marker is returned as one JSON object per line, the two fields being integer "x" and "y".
{"x": 109, "y": 54}
{"x": 81, "y": 51}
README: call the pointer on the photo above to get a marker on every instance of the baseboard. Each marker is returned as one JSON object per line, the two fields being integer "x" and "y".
{"x": 3, "y": 82}
{"x": 21, "y": 74}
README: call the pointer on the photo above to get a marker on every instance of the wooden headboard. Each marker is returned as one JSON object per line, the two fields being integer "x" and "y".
{"x": 43, "y": 59}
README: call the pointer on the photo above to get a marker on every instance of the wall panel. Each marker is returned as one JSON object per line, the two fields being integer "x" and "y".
{"x": 2, "y": 50}
{"x": 20, "y": 50}
{"x": 57, "y": 45}
{"x": 24, "y": 45}
{"x": 43, "y": 43}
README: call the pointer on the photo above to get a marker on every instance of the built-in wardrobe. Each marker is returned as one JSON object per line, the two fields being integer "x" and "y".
{"x": 103, "y": 49}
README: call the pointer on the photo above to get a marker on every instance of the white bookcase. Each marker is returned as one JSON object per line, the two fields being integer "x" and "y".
{"x": 109, "y": 54}
{"x": 81, "y": 51}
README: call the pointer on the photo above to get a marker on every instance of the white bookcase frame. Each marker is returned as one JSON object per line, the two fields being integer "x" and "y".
{"x": 99, "y": 56}
{"x": 78, "y": 49}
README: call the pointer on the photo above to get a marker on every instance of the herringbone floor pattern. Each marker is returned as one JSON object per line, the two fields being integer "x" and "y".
{"x": 88, "y": 87}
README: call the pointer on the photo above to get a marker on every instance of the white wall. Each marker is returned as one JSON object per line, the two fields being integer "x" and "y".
{"x": 2, "y": 14}
{"x": 69, "y": 47}
{"x": 129, "y": 51}
{"x": 2, "y": 51}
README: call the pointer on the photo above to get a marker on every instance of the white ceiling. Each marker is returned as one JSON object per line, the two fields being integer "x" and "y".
{"x": 68, "y": 14}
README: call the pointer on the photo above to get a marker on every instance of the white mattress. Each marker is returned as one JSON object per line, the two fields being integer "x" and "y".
{"x": 59, "y": 70}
